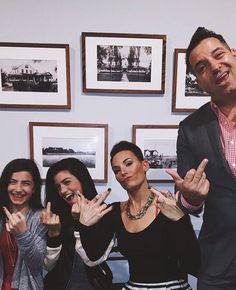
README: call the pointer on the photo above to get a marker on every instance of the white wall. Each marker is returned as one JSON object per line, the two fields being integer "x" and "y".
{"x": 62, "y": 21}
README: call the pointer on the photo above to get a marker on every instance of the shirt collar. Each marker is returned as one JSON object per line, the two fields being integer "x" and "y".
{"x": 220, "y": 116}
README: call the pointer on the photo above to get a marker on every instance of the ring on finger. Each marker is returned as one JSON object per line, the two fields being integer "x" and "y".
{"x": 96, "y": 198}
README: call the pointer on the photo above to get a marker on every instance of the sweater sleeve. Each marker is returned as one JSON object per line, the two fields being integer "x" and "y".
{"x": 32, "y": 244}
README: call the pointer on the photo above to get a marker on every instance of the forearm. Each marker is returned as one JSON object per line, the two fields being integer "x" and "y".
{"x": 54, "y": 246}
{"x": 187, "y": 246}
{"x": 32, "y": 248}
{"x": 81, "y": 251}
{"x": 194, "y": 186}
{"x": 95, "y": 240}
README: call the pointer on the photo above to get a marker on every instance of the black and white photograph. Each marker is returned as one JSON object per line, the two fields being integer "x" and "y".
{"x": 123, "y": 63}
{"x": 28, "y": 75}
{"x": 55, "y": 149}
{"x": 159, "y": 153}
{"x": 51, "y": 142}
{"x": 158, "y": 144}
{"x": 187, "y": 96}
{"x": 34, "y": 75}
{"x": 192, "y": 88}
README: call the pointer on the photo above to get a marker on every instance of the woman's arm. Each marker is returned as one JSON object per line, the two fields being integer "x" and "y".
{"x": 80, "y": 250}
{"x": 186, "y": 245}
{"x": 54, "y": 241}
{"x": 54, "y": 246}
{"x": 96, "y": 226}
{"x": 180, "y": 231}
{"x": 32, "y": 243}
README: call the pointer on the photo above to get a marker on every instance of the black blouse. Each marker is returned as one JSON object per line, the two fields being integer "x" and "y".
{"x": 165, "y": 250}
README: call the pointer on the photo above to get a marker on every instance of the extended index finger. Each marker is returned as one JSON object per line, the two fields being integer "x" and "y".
{"x": 156, "y": 192}
{"x": 160, "y": 196}
{"x": 200, "y": 169}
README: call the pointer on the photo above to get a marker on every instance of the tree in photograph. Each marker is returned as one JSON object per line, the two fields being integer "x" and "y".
{"x": 117, "y": 57}
{"x": 131, "y": 57}
{"x": 4, "y": 77}
{"x": 101, "y": 56}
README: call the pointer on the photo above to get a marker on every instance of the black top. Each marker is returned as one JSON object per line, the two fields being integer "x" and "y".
{"x": 165, "y": 250}
{"x": 69, "y": 271}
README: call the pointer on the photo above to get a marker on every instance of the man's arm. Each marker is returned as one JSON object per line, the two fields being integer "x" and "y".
{"x": 194, "y": 186}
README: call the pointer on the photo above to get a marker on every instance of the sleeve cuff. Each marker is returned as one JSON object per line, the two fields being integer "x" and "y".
{"x": 83, "y": 228}
{"x": 54, "y": 242}
{"x": 188, "y": 205}
{"x": 188, "y": 208}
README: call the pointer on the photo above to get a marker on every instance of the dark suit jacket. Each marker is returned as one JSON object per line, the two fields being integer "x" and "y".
{"x": 199, "y": 138}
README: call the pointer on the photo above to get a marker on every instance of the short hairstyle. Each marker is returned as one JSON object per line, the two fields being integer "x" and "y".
{"x": 18, "y": 165}
{"x": 80, "y": 171}
{"x": 200, "y": 34}
{"x": 125, "y": 145}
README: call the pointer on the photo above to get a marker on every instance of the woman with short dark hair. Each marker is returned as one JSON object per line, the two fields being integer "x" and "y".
{"x": 152, "y": 232}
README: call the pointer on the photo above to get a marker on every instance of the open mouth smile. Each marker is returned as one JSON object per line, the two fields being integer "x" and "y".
{"x": 221, "y": 78}
{"x": 69, "y": 197}
{"x": 18, "y": 195}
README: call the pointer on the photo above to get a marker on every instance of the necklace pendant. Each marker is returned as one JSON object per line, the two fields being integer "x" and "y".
{"x": 142, "y": 211}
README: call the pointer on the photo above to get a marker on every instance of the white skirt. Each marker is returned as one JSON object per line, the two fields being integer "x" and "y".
{"x": 170, "y": 285}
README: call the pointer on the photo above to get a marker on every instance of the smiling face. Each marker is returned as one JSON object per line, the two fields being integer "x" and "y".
{"x": 67, "y": 185}
{"x": 129, "y": 171}
{"x": 20, "y": 189}
{"x": 215, "y": 68}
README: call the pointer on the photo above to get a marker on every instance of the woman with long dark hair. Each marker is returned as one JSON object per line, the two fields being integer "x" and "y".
{"x": 22, "y": 236}
{"x": 65, "y": 259}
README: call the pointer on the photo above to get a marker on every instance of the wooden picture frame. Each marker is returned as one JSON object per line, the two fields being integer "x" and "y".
{"x": 158, "y": 144}
{"x": 123, "y": 63}
{"x": 187, "y": 96}
{"x": 51, "y": 142}
{"x": 35, "y": 75}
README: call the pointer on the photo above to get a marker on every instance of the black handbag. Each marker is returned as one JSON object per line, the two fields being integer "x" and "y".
{"x": 100, "y": 276}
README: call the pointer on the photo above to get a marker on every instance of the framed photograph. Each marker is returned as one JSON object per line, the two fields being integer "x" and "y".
{"x": 187, "y": 96}
{"x": 158, "y": 144}
{"x": 34, "y": 75}
{"x": 51, "y": 142}
{"x": 123, "y": 63}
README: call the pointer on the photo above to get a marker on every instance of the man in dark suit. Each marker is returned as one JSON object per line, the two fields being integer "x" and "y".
{"x": 210, "y": 133}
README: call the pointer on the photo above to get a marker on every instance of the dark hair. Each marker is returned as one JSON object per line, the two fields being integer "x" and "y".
{"x": 79, "y": 170}
{"x": 125, "y": 145}
{"x": 18, "y": 165}
{"x": 200, "y": 34}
